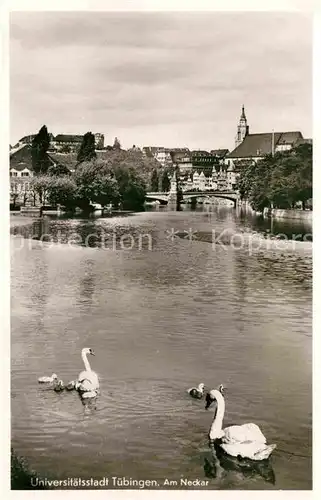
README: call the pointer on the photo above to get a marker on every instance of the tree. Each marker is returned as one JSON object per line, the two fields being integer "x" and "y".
{"x": 132, "y": 189}
{"x": 39, "y": 186}
{"x": 117, "y": 177}
{"x": 154, "y": 181}
{"x": 116, "y": 144}
{"x": 280, "y": 180}
{"x": 166, "y": 183}
{"x": 87, "y": 148}
{"x": 62, "y": 191}
{"x": 39, "y": 148}
{"x": 95, "y": 184}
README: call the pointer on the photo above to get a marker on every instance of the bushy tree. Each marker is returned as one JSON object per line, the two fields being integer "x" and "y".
{"x": 62, "y": 191}
{"x": 132, "y": 188}
{"x": 96, "y": 184}
{"x": 54, "y": 190}
{"x": 87, "y": 148}
{"x": 39, "y": 148}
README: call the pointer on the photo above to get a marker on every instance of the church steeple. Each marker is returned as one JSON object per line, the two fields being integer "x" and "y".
{"x": 242, "y": 129}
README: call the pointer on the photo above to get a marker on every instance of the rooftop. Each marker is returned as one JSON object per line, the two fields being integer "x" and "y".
{"x": 68, "y": 138}
{"x": 219, "y": 152}
{"x": 255, "y": 145}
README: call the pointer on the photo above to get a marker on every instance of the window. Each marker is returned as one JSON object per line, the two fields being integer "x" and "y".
{"x": 24, "y": 174}
{"x": 13, "y": 174}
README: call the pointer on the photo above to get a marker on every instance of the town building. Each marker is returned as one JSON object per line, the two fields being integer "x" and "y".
{"x": 167, "y": 156}
{"x": 220, "y": 154}
{"x": 211, "y": 181}
{"x": 253, "y": 147}
{"x": 21, "y": 174}
{"x": 67, "y": 143}
{"x": 182, "y": 158}
{"x": 71, "y": 143}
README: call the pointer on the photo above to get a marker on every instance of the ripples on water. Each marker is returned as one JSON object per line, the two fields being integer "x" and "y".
{"x": 160, "y": 320}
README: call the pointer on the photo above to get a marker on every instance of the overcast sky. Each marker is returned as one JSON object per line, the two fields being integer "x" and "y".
{"x": 161, "y": 79}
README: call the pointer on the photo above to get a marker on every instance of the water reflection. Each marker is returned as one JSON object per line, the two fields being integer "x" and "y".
{"x": 299, "y": 230}
{"x": 219, "y": 464}
{"x": 87, "y": 282}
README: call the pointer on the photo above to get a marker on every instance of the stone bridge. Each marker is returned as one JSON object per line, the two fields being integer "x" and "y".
{"x": 188, "y": 195}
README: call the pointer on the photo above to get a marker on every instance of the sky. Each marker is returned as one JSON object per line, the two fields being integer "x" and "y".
{"x": 160, "y": 78}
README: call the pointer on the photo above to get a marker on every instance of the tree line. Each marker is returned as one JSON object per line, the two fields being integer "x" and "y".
{"x": 280, "y": 180}
{"x": 118, "y": 177}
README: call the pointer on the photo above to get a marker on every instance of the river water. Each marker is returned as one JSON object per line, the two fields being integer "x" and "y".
{"x": 164, "y": 308}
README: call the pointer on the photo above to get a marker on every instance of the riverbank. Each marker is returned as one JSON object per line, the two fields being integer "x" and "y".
{"x": 301, "y": 215}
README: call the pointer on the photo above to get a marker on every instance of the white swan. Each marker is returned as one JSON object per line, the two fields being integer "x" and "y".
{"x": 245, "y": 440}
{"x": 87, "y": 379}
{"x": 197, "y": 392}
{"x": 43, "y": 380}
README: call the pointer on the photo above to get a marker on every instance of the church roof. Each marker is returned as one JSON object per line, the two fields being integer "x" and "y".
{"x": 255, "y": 145}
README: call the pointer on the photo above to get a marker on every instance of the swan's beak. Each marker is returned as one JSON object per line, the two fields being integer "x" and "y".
{"x": 92, "y": 352}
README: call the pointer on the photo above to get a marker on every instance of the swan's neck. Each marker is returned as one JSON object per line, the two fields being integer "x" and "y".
{"x": 86, "y": 362}
{"x": 216, "y": 431}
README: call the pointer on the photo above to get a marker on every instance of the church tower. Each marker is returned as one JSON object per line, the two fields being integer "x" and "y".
{"x": 242, "y": 129}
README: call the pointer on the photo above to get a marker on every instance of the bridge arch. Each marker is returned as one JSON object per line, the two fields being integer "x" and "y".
{"x": 227, "y": 195}
{"x": 212, "y": 194}
{"x": 162, "y": 197}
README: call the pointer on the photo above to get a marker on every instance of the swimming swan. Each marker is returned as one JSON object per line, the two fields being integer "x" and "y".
{"x": 197, "y": 392}
{"x": 43, "y": 380}
{"x": 245, "y": 440}
{"x": 87, "y": 379}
